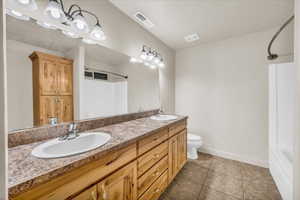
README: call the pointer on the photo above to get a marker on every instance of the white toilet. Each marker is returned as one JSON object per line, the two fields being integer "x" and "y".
{"x": 194, "y": 142}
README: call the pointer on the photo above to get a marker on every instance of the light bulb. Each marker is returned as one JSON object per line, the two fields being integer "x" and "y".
{"x": 80, "y": 24}
{"x": 70, "y": 34}
{"x": 54, "y": 10}
{"x": 17, "y": 14}
{"x": 161, "y": 64}
{"x": 156, "y": 60}
{"x": 24, "y": 1}
{"x": 150, "y": 56}
{"x": 23, "y": 4}
{"x": 97, "y": 33}
{"x": 46, "y": 25}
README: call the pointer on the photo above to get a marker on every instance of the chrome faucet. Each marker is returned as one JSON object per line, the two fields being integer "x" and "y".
{"x": 72, "y": 133}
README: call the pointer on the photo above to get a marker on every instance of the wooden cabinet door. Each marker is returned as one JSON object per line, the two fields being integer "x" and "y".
{"x": 48, "y": 77}
{"x": 88, "y": 194}
{"x": 121, "y": 185}
{"x": 47, "y": 109}
{"x": 173, "y": 157}
{"x": 64, "y": 108}
{"x": 182, "y": 145}
{"x": 65, "y": 78}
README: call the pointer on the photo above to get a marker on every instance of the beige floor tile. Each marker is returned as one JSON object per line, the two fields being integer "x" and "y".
{"x": 204, "y": 160}
{"x": 225, "y": 183}
{"x": 192, "y": 172}
{"x": 186, "y": 191}
{"x": 251, "y": 172}
{"x": 209, "y": 194}
{"x": 229, "y": 167}
{"x": 260, "y": 189}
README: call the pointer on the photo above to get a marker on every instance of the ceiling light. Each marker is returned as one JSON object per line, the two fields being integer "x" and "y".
{"x": 17, "y": 14}
{"x": 80, "y": 24}
{"x": 46, "y": 25}
{"x": 97, "y": 33}
{"x": 89, "y": 41}
{"x": 23, "y": 4}
{"x": 156, "y": 59}
{"x": 54, "y": 10}
{"x": 70, "y": 34}
{"x": 192, "y": 37}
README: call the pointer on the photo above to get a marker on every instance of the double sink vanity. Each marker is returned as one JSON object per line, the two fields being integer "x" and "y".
{"x": 134, "y": 158}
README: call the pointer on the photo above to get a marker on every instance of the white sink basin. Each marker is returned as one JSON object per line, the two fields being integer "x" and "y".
{"x": 61, "y": 148}
{"x": 163, "y": 117}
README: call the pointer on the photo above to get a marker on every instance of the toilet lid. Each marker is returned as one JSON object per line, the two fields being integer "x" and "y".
{"x": 193, "y": 137}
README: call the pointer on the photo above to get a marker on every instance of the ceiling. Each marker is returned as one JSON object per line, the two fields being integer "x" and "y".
{"x": 213, "y": 20}
{"x": 30, "y": 33}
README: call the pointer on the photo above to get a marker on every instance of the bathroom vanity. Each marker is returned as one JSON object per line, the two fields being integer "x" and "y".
{"x": 138, "y": 163}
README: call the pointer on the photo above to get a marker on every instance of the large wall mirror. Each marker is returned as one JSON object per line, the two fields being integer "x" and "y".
{"x": 53, "y": 79}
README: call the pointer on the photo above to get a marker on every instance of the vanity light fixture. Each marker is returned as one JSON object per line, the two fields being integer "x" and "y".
{"x": 151, "y": 57}
{"x": 23, "y": 4}
{"x": 74, "y": 17}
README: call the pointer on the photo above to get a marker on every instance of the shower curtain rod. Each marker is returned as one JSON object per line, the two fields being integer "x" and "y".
{"x": 108, "y": 72}
{"x": 271, "y": 55}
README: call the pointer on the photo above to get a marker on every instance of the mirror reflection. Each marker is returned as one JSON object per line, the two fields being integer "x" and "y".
{"x": 53, "y": 79}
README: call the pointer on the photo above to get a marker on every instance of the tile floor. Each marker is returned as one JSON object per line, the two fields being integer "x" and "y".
{"x": 215, "y": 178}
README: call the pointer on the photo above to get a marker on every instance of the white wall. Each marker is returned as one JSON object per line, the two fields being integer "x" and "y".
{"x": 3, "y": 106}
{"x": 223, "y": 87}
{"x": 19, "y": 83}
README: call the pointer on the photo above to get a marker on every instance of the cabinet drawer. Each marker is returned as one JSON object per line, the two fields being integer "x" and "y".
{"x": 150, "y": 158}
{"x": 150, "y": 176}
{"x": 151, "y": 141}
{"x": 176, "y": 128}
{"x": 75, "y": 181}
{"x": 88, "y": 194}
{"x": 157, "y": 188}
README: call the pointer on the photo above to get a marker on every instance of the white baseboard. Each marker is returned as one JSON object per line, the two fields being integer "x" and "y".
{"x": 283, "y": 182}
{"x": 232, "y": 156}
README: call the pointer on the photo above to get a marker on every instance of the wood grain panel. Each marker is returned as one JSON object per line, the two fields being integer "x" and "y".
{"x": 154, "y": 192}
{"x": 151, "y": 175}
{"x": 149, "y": 142}
{"x": 147, "y": 160}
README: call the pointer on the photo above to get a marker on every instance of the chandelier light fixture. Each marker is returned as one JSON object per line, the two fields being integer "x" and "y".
{"x": 74, "y": 18}
{"x": 150, "y": 57}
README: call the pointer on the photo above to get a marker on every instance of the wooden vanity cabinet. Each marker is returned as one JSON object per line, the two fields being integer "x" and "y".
{"x": 52, "y": 88}
{"x": 177, "y": 153}
{"x": 139, "y": 171}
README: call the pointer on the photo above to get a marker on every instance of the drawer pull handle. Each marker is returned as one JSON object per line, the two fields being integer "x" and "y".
{"x": 156, "y": 173}
{"x": 157, "y": 190}
{"x": 113, "y": 160}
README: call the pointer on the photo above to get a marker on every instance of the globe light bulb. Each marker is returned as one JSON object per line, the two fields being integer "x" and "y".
{"x": 97, "y": 33}
{"x": 80, "y": 24}
{"x": 54, "y": 10}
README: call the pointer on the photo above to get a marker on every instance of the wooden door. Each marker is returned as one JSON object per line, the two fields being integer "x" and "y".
{"x": 121, "y": 185}
{"x": 64, "y": 108}
{"x": 47, "y": 109}
{"x": 173, "y": 157}
{"x": 88, "y": 194}
{"x": 48, "y": 77}
{"x": 65, "y": 78}
{"x": 182, "y": 151}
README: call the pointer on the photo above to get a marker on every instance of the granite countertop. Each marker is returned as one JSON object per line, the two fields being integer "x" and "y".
{"x": 26, "y": 171}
